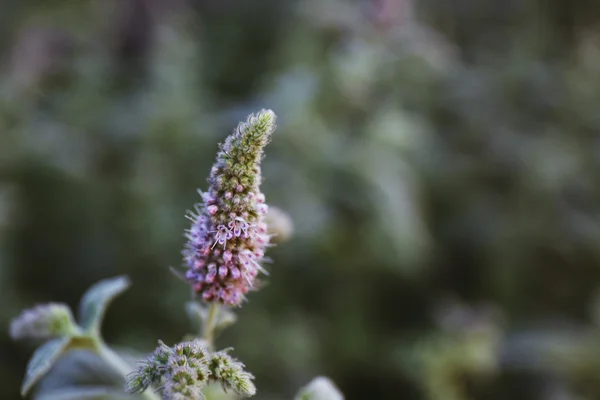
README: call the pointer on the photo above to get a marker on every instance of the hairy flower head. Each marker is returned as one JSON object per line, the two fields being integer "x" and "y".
{"x": 150, "y": 371}
{"x": 182, "y": 385}
{"x": 184, "y": 370}
{"x": 228, "y": 237}
{"x": 230, "y": 372}
{"x": 43, "y": 322}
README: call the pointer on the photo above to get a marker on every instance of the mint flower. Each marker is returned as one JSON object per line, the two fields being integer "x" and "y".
{"x": 149, "y": 372}
{"x": 183, "y": 371}
{"x": 231, "y": 374}
{"x": 181, "y": 385}
{"x": 228, "y": 237}
{"x": 43, "y": 322}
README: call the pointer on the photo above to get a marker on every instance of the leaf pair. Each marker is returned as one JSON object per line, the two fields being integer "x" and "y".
{"x": 85, "y": 335}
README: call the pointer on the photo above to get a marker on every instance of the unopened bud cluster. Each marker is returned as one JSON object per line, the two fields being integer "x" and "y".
{"x": 181, "y": 372}
{"x": 227, "y": 239}
{"x": 43, "y": 322}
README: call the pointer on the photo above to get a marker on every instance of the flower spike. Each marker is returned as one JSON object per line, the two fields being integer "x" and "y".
{"x": 228, "y": 236}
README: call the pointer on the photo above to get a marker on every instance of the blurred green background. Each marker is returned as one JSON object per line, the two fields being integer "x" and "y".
{"x": 440, "y": 160}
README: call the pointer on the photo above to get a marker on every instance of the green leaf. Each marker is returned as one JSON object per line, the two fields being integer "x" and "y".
{"x": 84, "y": 393}
{"x": 83, "y": 369}
{"x": 96, "y": 299}
{"x": 42, "y": 360}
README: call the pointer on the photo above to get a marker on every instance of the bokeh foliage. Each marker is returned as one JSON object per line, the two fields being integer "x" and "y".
{"x": 440, "y": 160}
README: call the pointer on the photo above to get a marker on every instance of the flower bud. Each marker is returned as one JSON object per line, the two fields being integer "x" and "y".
{"x": 44, "y": 322}
{"x": 184, "y": 370}
{"x": 230, "y": 372}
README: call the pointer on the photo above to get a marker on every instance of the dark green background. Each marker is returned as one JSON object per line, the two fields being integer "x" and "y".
{"x": 442, "y": 168}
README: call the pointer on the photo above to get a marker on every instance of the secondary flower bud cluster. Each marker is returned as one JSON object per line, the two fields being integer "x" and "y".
{"x": 181, "y": 372}
{"x": 228, "y": 237}
{"x": 43, "y": 322}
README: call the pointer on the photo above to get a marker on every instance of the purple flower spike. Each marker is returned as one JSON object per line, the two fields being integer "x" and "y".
{"x": 229, "y": 228}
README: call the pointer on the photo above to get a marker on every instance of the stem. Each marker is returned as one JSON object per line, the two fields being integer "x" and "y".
{"x": 208, "y": 328}
{"x": 118, "y": 364}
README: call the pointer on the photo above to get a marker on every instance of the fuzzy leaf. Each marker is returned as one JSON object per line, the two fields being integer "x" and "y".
{"x": 42, "y": 360}
{"x": 96, "y": 299}
{"x": 84, "y": 369}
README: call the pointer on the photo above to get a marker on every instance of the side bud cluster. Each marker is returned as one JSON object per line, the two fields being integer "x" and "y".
{"x": 43, "y": 322}
{"x": 228, "y": 237}
{"x": 181, "y": 372}
{"x": 231, "y": 374}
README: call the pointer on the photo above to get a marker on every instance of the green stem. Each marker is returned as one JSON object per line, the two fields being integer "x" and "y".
{"x": 118, "y": 364}
{"x": 209, "y": 325}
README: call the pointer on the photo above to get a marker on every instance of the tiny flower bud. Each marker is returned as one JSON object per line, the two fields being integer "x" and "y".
{"x": 263, "y": 209}
{"x": 190, "y": 274}
{"x": 210, "y": 276}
